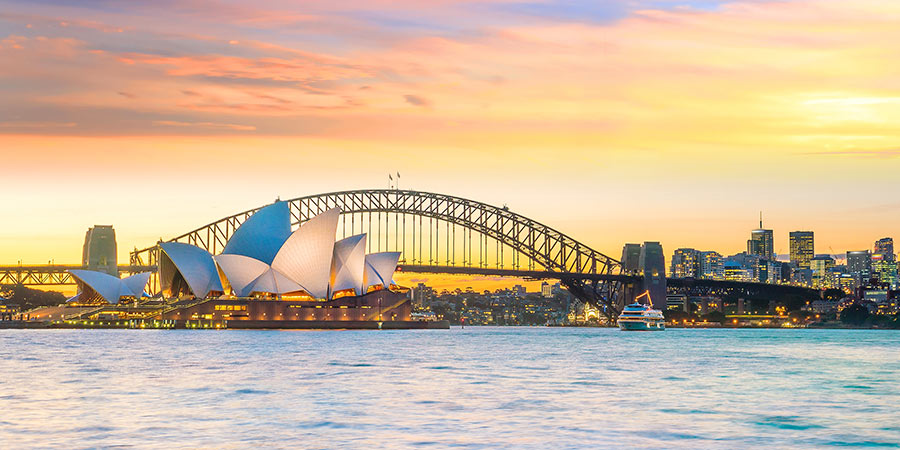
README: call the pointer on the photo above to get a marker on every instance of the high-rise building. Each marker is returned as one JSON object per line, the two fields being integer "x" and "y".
{"x": 768, "y": 271}
{"x": 761, "y": 242}
{"x": 820, "y": 267}
{"x": 711, "y": 266}
{"x": 422, "y": 294}
{"x": 546, "y": 290}
{"x": 885, "y": 246}
{"x": 99, "y": 252}
{"x": 884, "y": 271}
{"x": 685, "y": 263}
{"x": 749, "y": 263}
{"x": 653, "y": 269}
{"x": 734, "y": 271}
{"x": 631, "y": 258}
{"x": 802, "y": 248}
{"x": 859, "y": 265}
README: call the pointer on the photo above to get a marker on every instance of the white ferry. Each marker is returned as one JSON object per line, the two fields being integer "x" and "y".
{"x": 640, "y": 317}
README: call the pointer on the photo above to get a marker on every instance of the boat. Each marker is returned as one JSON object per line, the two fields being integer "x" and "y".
{"x": 641, "y": 317}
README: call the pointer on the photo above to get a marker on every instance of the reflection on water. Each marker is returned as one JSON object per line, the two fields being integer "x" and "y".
{"x": 475, "y": 387}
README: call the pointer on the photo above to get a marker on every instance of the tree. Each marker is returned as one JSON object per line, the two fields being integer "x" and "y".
{"x": 714, "y": 316}
{"x": 855, "y": 315}
{"x": 832, "y": 294}
{"x": 28, "y": 298}
{"x": 677, "y": 315}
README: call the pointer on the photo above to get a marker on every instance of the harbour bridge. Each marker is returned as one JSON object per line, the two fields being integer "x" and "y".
{"x": 434, "y": 233}
{"x": 437, "y": 233}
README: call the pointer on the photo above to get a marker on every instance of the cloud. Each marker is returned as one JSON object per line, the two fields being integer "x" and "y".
{"x": 416, "y": 100}
{"x": 208, "y": 125}
{"x": 25, "y": 125}
{"x": 885, "y": 153}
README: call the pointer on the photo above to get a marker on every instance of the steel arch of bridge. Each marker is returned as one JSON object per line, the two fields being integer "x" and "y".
{"x": 516, "y": 239}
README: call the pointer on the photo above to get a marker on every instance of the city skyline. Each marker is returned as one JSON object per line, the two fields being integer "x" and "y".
{"x": 614, "y": 123}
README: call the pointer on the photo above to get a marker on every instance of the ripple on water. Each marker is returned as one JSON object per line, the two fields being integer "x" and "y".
{"x": 786, "y": 423}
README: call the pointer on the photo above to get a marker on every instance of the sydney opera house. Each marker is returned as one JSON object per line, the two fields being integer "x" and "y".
{"x": 267, "y": 276}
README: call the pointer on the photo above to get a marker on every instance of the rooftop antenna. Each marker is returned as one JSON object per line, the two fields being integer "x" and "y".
{"x": 760, "y": 220}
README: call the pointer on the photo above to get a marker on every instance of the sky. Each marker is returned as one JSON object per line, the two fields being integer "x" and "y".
{"x": 615, "y": 121}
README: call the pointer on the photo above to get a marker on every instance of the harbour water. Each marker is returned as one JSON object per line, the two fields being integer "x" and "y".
{"x": 478, "y": 387}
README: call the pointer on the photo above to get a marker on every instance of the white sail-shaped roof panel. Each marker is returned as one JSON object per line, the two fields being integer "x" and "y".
{"x": 241, "y": 271}
{"x": 104, "y": 284}
{"x": 348, "y": 264}
{"x": 306, "y": 255}
{"x": 195, "y": 265}
{"x": 380, "y": 268}
{"x": 262, "y": 234}
{"x": 273, "y": 282}
{"x": 136, "y": 283}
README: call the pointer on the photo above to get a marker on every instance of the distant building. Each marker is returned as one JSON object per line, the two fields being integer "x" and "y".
{"x": 768, "y": 271}
{"x": 844, "y": 281}
{"x": 762, "y": 242}
{"x": 99, "y": 252}
{"x": 802, "y": 277}
{"x": 884, "y": 271}
{"x": 422, "y": 294}
{"x": 820, "y": 267}
{"x": 734, "y": 271}
{"x": 859, "y": 265}
{"x": 748, "y": 262}
{"x": 685, "y": 263}
{"x": 631, "y": 258}
{"x": 546, "y": 290}
{"x": 802, "y": 248}
{"x": 885, "y": 246}
{"x": 711, "y": 266}
{"x": 519, "y": 290}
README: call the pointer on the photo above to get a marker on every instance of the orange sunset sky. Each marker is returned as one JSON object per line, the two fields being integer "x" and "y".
{"x": 614, "y": 121}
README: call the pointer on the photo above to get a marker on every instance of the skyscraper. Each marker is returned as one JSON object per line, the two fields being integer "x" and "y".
{"x": 820, "y": 266}
{"x": 685, "y": 263}
{"x": 99, "y": 252}
{"x": 802, "y": 248}
{"x": 711, "y": 266}
{"x": 859, "y": 265}
{"x": 761, "y": 242}
{"x": 884, "y": 271}
{"x": 885, "y": 247}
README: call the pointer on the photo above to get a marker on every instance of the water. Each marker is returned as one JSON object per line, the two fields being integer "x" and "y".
{"x": 477, "y": 387}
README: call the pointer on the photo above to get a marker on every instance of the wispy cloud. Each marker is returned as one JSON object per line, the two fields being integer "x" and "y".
{"x": 32, "y": 126}
{"x": 885, "y": 153}
{"x": 207, "y": 125}
{"x": 416, "y": 100}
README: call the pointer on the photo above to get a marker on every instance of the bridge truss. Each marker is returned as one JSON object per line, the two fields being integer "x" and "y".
{"x": 445, "y": 234}
{"x": 51, "y": 275}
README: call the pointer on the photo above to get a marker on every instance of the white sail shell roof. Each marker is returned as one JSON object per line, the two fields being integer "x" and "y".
{"x": 136, "y": 283}
{"x": 380, "y": 268}
{"x": 349, "y": 264}
{"x": 262, "y": 234}
{"x": 241, "y": 271}
{"x": 273, "y": 282}
{"x": 112, "y": 288}
{"x": 196, "y": 265}
{"x": 305, "y": 257}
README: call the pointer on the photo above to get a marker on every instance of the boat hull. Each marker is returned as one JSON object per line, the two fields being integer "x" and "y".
{"x": 640, "y": 325}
